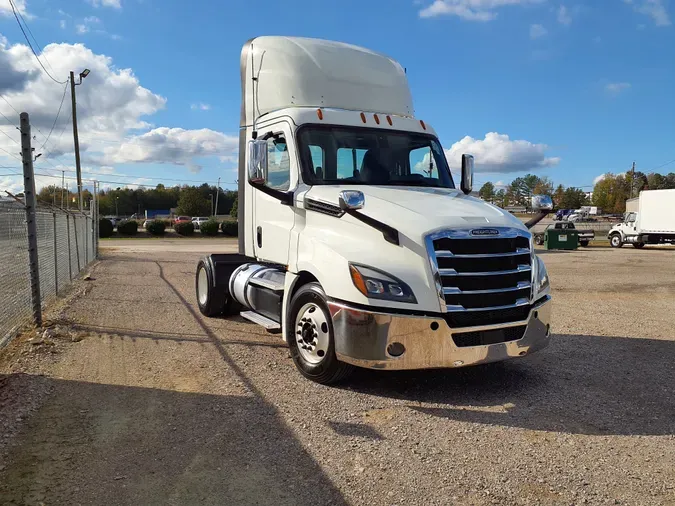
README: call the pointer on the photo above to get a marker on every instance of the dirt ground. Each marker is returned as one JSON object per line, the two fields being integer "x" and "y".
{"x": 135, "y": 398}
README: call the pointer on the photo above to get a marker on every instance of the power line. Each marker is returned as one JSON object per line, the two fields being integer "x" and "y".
{"x": 11, "y": 3}
{"x": 10, "y": 154}
{"x": 11, "y": 107}
{"x": 57, "y": 116}
{"x": 10, "y": 138}
{"x": 35, "y": 40}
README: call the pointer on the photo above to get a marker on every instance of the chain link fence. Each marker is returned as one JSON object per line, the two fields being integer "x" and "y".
{"x": 66, "y": 245}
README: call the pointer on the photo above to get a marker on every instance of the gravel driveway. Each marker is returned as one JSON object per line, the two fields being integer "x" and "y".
{"x": 158, "y": 405}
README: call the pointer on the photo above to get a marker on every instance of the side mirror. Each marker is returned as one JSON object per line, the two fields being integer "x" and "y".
{"x": 257, "y": 161}
{"x": 351, "y": 200}
{"x": 542, "y": 203}
{"x": 467, "y": 174}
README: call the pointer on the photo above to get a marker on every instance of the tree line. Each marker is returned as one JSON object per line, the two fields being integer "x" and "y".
{"x": 186, "y": 200}
{"x": 609, "y": 193}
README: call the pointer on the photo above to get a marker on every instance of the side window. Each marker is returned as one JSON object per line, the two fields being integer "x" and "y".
{"x": 278, "y": 164}
{"x": 348, "y": 162}
{"x": 318, "y": 161}
{"x": 422, "y": 162}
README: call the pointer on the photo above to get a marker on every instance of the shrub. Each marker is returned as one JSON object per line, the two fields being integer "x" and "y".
{"x": 185, "y": 228}
{"x": 230, "y": 228}
{"x": 209, "y": 227}
{"x": 128, "y": 227}
{"x": 156, "y": 227}
{"x": 105, "y": 228}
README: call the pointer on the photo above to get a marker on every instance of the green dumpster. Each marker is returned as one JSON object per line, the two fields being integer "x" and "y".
{"x": 561, "y": 239}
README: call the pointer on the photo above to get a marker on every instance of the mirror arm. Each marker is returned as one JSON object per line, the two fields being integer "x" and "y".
{"x": 285, "y": 198}
{"x": 533, "y": 221}
{"x": 390, "y": 233}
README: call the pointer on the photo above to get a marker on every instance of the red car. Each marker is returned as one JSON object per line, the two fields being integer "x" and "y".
{"x": 182, "y": 219}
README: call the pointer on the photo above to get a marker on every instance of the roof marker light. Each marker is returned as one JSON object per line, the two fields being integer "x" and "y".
{"x": 377, "y": 120}
{"x": 389, "y": 121}
{"x": 423, "y": 125}
{"x": 319, "y": 114}
{"x": 363, "y": 117}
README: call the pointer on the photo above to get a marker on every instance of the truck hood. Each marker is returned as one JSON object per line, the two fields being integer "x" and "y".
{"x": 415, "y": 211}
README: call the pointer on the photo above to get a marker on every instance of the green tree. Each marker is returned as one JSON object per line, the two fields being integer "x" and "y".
{"x": 559, "y": 197}
{"x": 234, "y": 212}
{"x": 574, "y": 198}
{"x": 191, "y": 202}
{"x": 500, "y": 198}
{"x": 544, "y": 186}
{"x": 487, "y": 192}
{"x": 656, "y": 181}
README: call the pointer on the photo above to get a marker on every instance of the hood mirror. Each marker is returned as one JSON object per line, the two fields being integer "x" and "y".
{"x": 467, "y": 174}
{"x": 257, "y": 161}
{"x": 542, "y": 203}
{"x": 351, "y": 200}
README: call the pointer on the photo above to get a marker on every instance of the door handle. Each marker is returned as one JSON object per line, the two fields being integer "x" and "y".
{"x": 259, "y": 236}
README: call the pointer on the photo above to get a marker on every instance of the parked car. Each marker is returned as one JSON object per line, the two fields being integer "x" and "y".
{"x": 182, "y": 219}
{"x": 198, "y": 221}
{"x": 585, "y": 236}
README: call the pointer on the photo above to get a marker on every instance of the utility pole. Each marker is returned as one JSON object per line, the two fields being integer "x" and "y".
{"x": 76, "y": 140}
{"x": 31, "y": 226}
{"x": 217, "y": 195}
{"x": 632, "y": 180}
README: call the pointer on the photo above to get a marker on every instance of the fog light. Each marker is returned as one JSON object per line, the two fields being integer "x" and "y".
{"x": 396, "y": 349}
{"x": 457, "y": 363}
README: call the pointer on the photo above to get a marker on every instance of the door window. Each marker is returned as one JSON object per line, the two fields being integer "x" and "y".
{"x": 278, "y": 164}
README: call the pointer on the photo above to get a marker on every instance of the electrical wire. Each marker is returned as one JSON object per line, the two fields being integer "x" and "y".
{"x": 11, "y": 3}
{"x": 57, "y": 116}
{"x": 10, "y": 154}
{"x": 10, "y": 106}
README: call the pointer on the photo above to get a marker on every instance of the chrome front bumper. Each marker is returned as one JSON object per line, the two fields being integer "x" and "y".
{"x": 362, "y": 338}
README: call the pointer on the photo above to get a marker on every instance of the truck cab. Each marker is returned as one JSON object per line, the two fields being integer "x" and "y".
{"x": 355, "y": 242}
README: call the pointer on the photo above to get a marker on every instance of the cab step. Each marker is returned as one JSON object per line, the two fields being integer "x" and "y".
{"x": 263, "y": 321}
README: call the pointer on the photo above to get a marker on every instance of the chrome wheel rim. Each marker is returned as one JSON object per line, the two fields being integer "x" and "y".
{"x": 203, "y": 286}
{"x": 312, "y": 333}
{"x": 615, "y": 241}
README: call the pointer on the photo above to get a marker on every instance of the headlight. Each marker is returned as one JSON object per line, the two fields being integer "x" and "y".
{"x": 376, "y": 284}
{"x": 541, "y": 283}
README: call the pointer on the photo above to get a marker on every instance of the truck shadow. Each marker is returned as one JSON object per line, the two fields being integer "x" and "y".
{"x": 591, "y": 385}
{"x": 96, "y": 443}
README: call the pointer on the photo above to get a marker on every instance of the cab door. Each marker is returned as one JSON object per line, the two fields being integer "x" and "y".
{"x": 273, "y": 219}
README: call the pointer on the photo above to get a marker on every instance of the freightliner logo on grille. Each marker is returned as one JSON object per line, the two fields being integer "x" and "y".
{"x": 485, "y": 231}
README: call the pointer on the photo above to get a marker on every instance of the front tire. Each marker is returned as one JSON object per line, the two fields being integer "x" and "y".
{"x": 311, "y": 337}
{"x": 539, "y": 239}
{"x": 615, "y": 241}
{"x": 210, "y": 299}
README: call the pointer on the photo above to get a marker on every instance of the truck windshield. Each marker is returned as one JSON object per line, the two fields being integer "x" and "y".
{"x": 342, "y": 155}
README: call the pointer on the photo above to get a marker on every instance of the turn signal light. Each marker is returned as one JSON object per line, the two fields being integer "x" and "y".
{"x": 358, "y": 280}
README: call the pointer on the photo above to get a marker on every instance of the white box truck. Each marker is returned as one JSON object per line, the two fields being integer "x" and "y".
{"x": 653, "y": 223}
{"x": 354, "y": 242}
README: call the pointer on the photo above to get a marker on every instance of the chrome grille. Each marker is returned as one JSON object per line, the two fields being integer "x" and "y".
{"x": 482, "y": 274}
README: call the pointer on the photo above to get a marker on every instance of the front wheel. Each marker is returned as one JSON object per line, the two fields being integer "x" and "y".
{"x": 538, "y": 239}
{"x": 311, "y": 338}
{"x": 615, "y": 241}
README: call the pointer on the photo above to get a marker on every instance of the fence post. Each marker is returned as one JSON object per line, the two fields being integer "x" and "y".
{"x": 31, "y": 225}
{"x": 70, "y": 255}
{"x": 77, "y": 246}
{"x": 86, "y": 240}
{"x": 56, "y": 259}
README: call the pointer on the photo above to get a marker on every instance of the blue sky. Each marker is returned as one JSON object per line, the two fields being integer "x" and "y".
{"x": 586, "y": 86}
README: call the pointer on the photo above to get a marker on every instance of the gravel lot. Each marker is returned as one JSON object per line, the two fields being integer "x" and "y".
{"x": 157, "y": 405}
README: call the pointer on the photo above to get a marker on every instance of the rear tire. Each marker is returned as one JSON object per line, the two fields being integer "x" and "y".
{"x": 615, "y": 241}
{"x": 538, "y": 239}
{"x": 583, "y": 243}
{"x": 638, "y": 245}
{"x": 210, "y": 299}
{"x": 310, "y": 326}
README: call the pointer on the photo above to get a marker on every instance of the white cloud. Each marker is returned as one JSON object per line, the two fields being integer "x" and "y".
{"x": 173, "y": 145}
{"x": 62, "y": 24}
{"x": 113, "y": 114}
{"x": 92, "y": 19}
{"x": 655, "y": 9}
{"x": 6, "y": 8}
{"x": 498, "y": 153}
{"x": 564, "y": 17}
{"x": 470, "y": 10}
{"x": 81, "y": 29}
{"x": 115, "y": 4}
{"x": 537, "y": 31}
{"x": 603, "y": 176}
{"x": 616, "y": 88}
{"x": 200, "y": 106}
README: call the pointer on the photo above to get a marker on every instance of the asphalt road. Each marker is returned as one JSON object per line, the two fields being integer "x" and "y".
{"x": 158, "y": 405}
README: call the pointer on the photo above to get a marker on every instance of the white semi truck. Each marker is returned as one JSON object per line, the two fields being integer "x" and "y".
{"x": 354, "y": 241}
{"x": 653, "y": 223}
